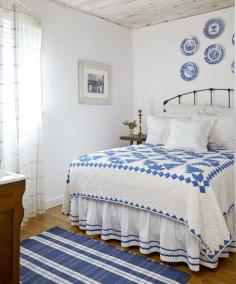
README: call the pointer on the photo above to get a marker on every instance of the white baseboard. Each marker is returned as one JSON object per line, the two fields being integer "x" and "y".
{"x": 53, "y": 202}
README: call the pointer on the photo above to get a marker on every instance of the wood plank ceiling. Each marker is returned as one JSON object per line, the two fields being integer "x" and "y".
{"x": 140, "y": 13}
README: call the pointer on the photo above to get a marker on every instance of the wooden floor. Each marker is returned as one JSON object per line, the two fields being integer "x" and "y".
{"x": 224, "y": 274}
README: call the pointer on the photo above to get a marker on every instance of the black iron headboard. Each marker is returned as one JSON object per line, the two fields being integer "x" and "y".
{"x": 195, "y": 92}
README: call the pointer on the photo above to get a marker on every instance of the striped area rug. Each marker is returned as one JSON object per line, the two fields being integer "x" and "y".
{"x": 59, "y": 256}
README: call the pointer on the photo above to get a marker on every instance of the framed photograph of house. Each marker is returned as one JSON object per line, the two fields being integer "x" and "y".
{"x": 95, "y": 83}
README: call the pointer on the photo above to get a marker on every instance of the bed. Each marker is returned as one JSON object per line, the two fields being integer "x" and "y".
{"x": 179, "y": 203}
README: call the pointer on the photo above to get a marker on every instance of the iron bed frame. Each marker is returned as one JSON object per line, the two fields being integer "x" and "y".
{"x": 212, "y": 91}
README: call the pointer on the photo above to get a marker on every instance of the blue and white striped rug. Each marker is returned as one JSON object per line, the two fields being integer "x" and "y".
{"x": 58, "y": 256}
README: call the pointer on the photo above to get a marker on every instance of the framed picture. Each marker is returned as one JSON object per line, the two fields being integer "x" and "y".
{"x": 95, "y": 83}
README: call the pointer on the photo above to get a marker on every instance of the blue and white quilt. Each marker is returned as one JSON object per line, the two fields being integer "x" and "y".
{"x": 194, "y": 188}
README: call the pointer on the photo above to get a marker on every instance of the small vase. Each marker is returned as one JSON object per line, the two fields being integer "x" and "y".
{"x": 131, "y": 132}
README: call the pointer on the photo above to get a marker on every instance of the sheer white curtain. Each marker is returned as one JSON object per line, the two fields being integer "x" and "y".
{"x": 20, "y": 95}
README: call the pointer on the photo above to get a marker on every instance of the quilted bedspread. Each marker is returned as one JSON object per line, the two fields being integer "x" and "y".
{"x": 194, "y": 188}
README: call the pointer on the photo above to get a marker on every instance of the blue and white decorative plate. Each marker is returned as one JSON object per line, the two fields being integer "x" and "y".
{"x": 214, "y": 54}
{"x": 214, "y": 28}
{"x": 232, "y": 67}
{"x": 233, "y": 39}
{"x": 189, "y": 71}
{"x": 189, "y": 45}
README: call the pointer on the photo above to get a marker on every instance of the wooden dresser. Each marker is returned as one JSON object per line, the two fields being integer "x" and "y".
{"x": 11, "y": 215}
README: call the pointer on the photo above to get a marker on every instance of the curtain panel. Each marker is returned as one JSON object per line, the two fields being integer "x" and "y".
{"x": 20, "y": 102}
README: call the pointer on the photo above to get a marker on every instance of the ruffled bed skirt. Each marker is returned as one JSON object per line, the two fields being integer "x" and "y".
{"x": 151, "y": 232}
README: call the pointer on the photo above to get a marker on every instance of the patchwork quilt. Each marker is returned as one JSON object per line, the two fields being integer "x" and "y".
{"x": 194, "y": 188}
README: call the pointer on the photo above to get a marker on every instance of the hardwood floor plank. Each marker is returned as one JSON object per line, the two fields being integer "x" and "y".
{"x": 225, "y": 273}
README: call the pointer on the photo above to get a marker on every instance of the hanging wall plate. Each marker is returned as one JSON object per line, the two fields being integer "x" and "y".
{"x": 232, "y": 67}
{"x": 214, "y": 28}
{"x": 189, "y": 71}
{"x": 214, "y": 54}
{"x": 189, "y": 45}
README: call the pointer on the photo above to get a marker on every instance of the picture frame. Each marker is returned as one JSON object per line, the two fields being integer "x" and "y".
{"x": 95, "y": 83}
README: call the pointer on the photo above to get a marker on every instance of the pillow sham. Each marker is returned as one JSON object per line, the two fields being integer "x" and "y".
{"x": 222, "y": 134}
{"x": 218, "y": 110}
{"x": 188, "y": 135}
{"x": 184, "y": 109}
{"x": 159, "y": 127}
{"x": 168, "y": 115}
{"x": 157, "y": 130}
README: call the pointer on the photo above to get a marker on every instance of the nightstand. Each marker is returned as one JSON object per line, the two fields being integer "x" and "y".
{"x": 139, "y": 139}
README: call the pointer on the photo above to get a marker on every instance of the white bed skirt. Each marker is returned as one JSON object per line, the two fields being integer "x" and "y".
{"x": 149, "y": 231}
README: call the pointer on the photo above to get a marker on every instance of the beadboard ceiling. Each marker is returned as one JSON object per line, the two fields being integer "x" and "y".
{"x": 140, "y": 13}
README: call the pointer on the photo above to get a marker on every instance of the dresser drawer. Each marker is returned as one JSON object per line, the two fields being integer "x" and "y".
{"x": 11, "y": 214}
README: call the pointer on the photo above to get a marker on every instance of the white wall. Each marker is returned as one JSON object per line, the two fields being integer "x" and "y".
{"x": 70, "y": 129}
{"x": 157, "y": 60}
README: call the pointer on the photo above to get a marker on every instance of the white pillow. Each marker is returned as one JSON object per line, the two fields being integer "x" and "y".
{"x": 222, "y": 134}
{"x": 158, "y": 129}
{"x": 218, "y": 110}
{"x": 174, "y": 115}
{"x": 184, "y": 109}
{"x": 188, "y": 135}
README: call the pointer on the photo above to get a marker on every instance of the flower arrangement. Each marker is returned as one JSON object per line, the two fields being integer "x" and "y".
{"x": 131, "y": 124}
